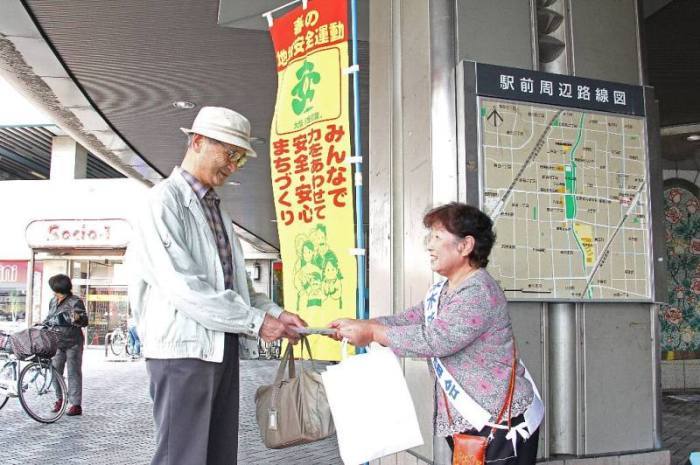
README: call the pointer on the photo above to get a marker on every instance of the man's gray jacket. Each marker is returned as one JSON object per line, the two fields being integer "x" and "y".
{"x": 176, "y": 282}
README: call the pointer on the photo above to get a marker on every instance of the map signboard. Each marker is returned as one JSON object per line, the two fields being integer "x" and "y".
{"x": 568, "y": 192}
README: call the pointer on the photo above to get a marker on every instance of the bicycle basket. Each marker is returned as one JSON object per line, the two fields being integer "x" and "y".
{"x": 5, "y": 342}
{"x": 41, "y": 342}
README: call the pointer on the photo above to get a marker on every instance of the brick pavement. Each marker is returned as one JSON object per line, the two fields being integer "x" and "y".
{"x": 117, "y": 428}
{"x": 681, "y": 426}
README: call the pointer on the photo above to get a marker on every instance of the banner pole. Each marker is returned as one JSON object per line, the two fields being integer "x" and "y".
{"x": 359, "y": 213}
{"x": 362, "y": 313}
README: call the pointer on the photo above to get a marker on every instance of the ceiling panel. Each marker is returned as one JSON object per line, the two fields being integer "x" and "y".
{"x": 672, "y": 39}
{"x": 134, "y": 58}
{"x": 672, "y": 42}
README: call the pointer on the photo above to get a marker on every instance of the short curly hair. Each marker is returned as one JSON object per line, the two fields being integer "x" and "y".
{"x": 464, "y": 220}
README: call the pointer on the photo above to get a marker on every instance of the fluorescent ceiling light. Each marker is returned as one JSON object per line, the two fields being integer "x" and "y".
{"x": 38, "y": 175}
{"x": 183, "y": 105}
{"x": 693, "y": 137}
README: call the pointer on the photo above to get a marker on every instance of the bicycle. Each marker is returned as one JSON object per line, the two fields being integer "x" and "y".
{"x": 37, "y": 385}
{"x": 269, "y": 350}
{"x": 120, "y": 342}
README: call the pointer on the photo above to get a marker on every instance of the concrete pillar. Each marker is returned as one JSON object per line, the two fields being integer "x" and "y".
{"x": 406, "y": 113}
{"x": 68, "y": 159}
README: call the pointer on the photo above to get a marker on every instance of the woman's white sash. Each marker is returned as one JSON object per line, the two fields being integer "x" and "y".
{"x": 470, "y": 410}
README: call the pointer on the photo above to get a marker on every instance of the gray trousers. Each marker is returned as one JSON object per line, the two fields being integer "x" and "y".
{"x": 195, "y": 408}
{"x": 73, "y": 357}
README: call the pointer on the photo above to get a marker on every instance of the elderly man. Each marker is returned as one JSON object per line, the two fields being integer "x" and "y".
{"x": 192, "y": 300}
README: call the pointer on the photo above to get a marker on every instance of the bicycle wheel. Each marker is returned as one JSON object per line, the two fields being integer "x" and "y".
{"x": 117, "y": 343}
{"x": 40, "y": 387}
{"x": 8, "y": 382}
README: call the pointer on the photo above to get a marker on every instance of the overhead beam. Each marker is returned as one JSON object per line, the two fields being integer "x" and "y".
{"x": 43, "y": 170}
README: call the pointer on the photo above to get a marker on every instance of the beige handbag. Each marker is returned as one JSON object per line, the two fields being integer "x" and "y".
{"x": 293, "y": 410}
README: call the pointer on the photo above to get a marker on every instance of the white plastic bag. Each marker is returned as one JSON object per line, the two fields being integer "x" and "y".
{"x": 372, "y": 409}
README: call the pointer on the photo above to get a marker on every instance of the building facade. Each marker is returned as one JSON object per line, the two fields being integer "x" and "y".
{"x": 596, "y": 363}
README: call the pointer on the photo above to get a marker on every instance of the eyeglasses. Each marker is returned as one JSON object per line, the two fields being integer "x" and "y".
{"x": 237, "y": 156}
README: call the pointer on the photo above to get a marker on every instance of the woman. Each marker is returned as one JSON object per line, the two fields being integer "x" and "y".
{"x": 468, "y": 332}
{"x": 307, "y": 278}
{"x": 66, "y": 317}
{"x": 332, "y": 279}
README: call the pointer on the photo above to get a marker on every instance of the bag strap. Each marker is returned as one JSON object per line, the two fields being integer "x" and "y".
{"x": 287, "y": 358}
{"x": 511, "y": 391}
{"x": 507, "y": 403}
{"x": 305, "y": 343}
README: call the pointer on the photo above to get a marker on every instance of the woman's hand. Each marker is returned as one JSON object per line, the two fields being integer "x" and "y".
{"x": 358, "y": 332}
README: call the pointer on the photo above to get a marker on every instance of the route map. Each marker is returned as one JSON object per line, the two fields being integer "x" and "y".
{"x": 567, "y": 190}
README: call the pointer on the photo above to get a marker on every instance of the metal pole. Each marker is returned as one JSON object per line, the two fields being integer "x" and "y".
{"x": 29, "y": 301}
{"x": 359, "y": 210}
{"x": 443, "y": 130}
{"x": 657, "y": 425}
{"x": 562, "y": 378}
{"x": 443, "y": 113}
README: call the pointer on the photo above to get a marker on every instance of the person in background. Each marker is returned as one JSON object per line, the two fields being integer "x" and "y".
{"x": 133, "y": 336}
{"x": 194, "y": 304}
{"x": 67, "y": 317}
{"x": 463, "y": 323}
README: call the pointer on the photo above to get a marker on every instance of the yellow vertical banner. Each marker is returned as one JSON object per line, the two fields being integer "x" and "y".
{"x": 311, "y": 172}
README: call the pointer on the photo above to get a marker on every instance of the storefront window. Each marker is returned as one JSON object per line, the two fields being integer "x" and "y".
{"x": 108, "y": 308}
{"x": 13, "y": 294}
{"x": 12, "y": 309}
{"x": 100, "y": 281}
{"x": 104, "y": 291}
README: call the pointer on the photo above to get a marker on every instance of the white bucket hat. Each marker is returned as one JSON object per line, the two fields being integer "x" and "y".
{"x": 223, "y": 125}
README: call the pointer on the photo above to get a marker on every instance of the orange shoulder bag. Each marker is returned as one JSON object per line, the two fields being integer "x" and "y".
{"x": 470, "y": 449}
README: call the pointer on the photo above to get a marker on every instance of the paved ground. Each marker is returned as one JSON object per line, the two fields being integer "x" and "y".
{"x": 116, "y": 427}
{"x": 681, "y": 425}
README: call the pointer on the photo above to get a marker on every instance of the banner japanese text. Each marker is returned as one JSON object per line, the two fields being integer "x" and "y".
{"x": 311, "y": 172}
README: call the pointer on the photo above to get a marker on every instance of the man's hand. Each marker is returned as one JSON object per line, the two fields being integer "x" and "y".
{"x": 272, "y": 329}
{"x": 291, "y": 320}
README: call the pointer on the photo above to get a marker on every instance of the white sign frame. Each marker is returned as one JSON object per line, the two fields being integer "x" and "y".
{"x": 108, "y": 233}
